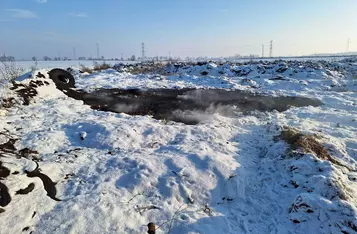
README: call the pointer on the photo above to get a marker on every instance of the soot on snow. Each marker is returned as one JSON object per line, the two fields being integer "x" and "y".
{"x": 189, "y": 106}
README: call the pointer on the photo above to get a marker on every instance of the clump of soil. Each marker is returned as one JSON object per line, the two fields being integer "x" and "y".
{"x": 8, "y": 147}
{"x": 48, "y": 184}
{"x": 26, "y": 190}
{"x": 7, "y": 102}
{"x": 5, "y": 198}
{"x": 4, "y": 172}
{"x": 26, "y": 92}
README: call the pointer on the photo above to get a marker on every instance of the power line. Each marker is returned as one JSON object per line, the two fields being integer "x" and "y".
{"x": 74, "y": 53}
{"x": 142, "y": 50}
{"x": 271, "y": 49}
{"x": 348, "y": 44}
{"x": 97, "y": 50}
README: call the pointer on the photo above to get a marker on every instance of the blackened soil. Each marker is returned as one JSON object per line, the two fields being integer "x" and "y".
{"x": 26, "y": 190}
{"x": 5, "y": 198}
{"x": 166, "y": 103}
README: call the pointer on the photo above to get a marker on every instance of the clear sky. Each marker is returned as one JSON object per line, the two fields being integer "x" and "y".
{"x": 183, "y": 27}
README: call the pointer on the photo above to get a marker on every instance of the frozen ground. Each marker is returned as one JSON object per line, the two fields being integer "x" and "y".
{"x": 115, "y": 173}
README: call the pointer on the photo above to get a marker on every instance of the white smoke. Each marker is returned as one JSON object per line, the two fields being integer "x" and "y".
{"x": 124, "y": 108}
{"x": 197, "y": 116}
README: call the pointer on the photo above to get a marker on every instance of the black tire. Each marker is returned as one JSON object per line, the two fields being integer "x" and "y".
{"x": 62, "y": 78}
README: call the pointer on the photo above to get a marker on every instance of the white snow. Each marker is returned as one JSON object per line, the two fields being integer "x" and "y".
{"x": 126, "y": 171}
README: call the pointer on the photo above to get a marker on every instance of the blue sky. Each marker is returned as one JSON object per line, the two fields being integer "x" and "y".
{"x": 183, "y": 27}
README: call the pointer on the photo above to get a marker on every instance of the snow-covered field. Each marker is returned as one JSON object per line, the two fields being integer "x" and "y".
{"x": 116, "y": 173}
{"x": 27, "y": 65}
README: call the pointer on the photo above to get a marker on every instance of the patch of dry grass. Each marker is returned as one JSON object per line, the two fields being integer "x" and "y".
{"x": 85, "y": 69}
{"x": 310, "y": 144}
{"x": 101, "y": 66}
{"x": 143, "y": 68}
{"x": 307, "y": 143}
{"x": 96, "y": 67}
{"x": 7, "y": 102}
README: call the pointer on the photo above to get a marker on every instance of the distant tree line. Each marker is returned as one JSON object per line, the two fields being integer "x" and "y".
{"x": 47, "y": 58}
{"x": 5, "y": 58}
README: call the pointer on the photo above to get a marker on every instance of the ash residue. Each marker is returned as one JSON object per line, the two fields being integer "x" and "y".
{"x": 189, "y": 106}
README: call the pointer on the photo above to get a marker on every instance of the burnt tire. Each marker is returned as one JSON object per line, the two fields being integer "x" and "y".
{"x": 62, "y": 78}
